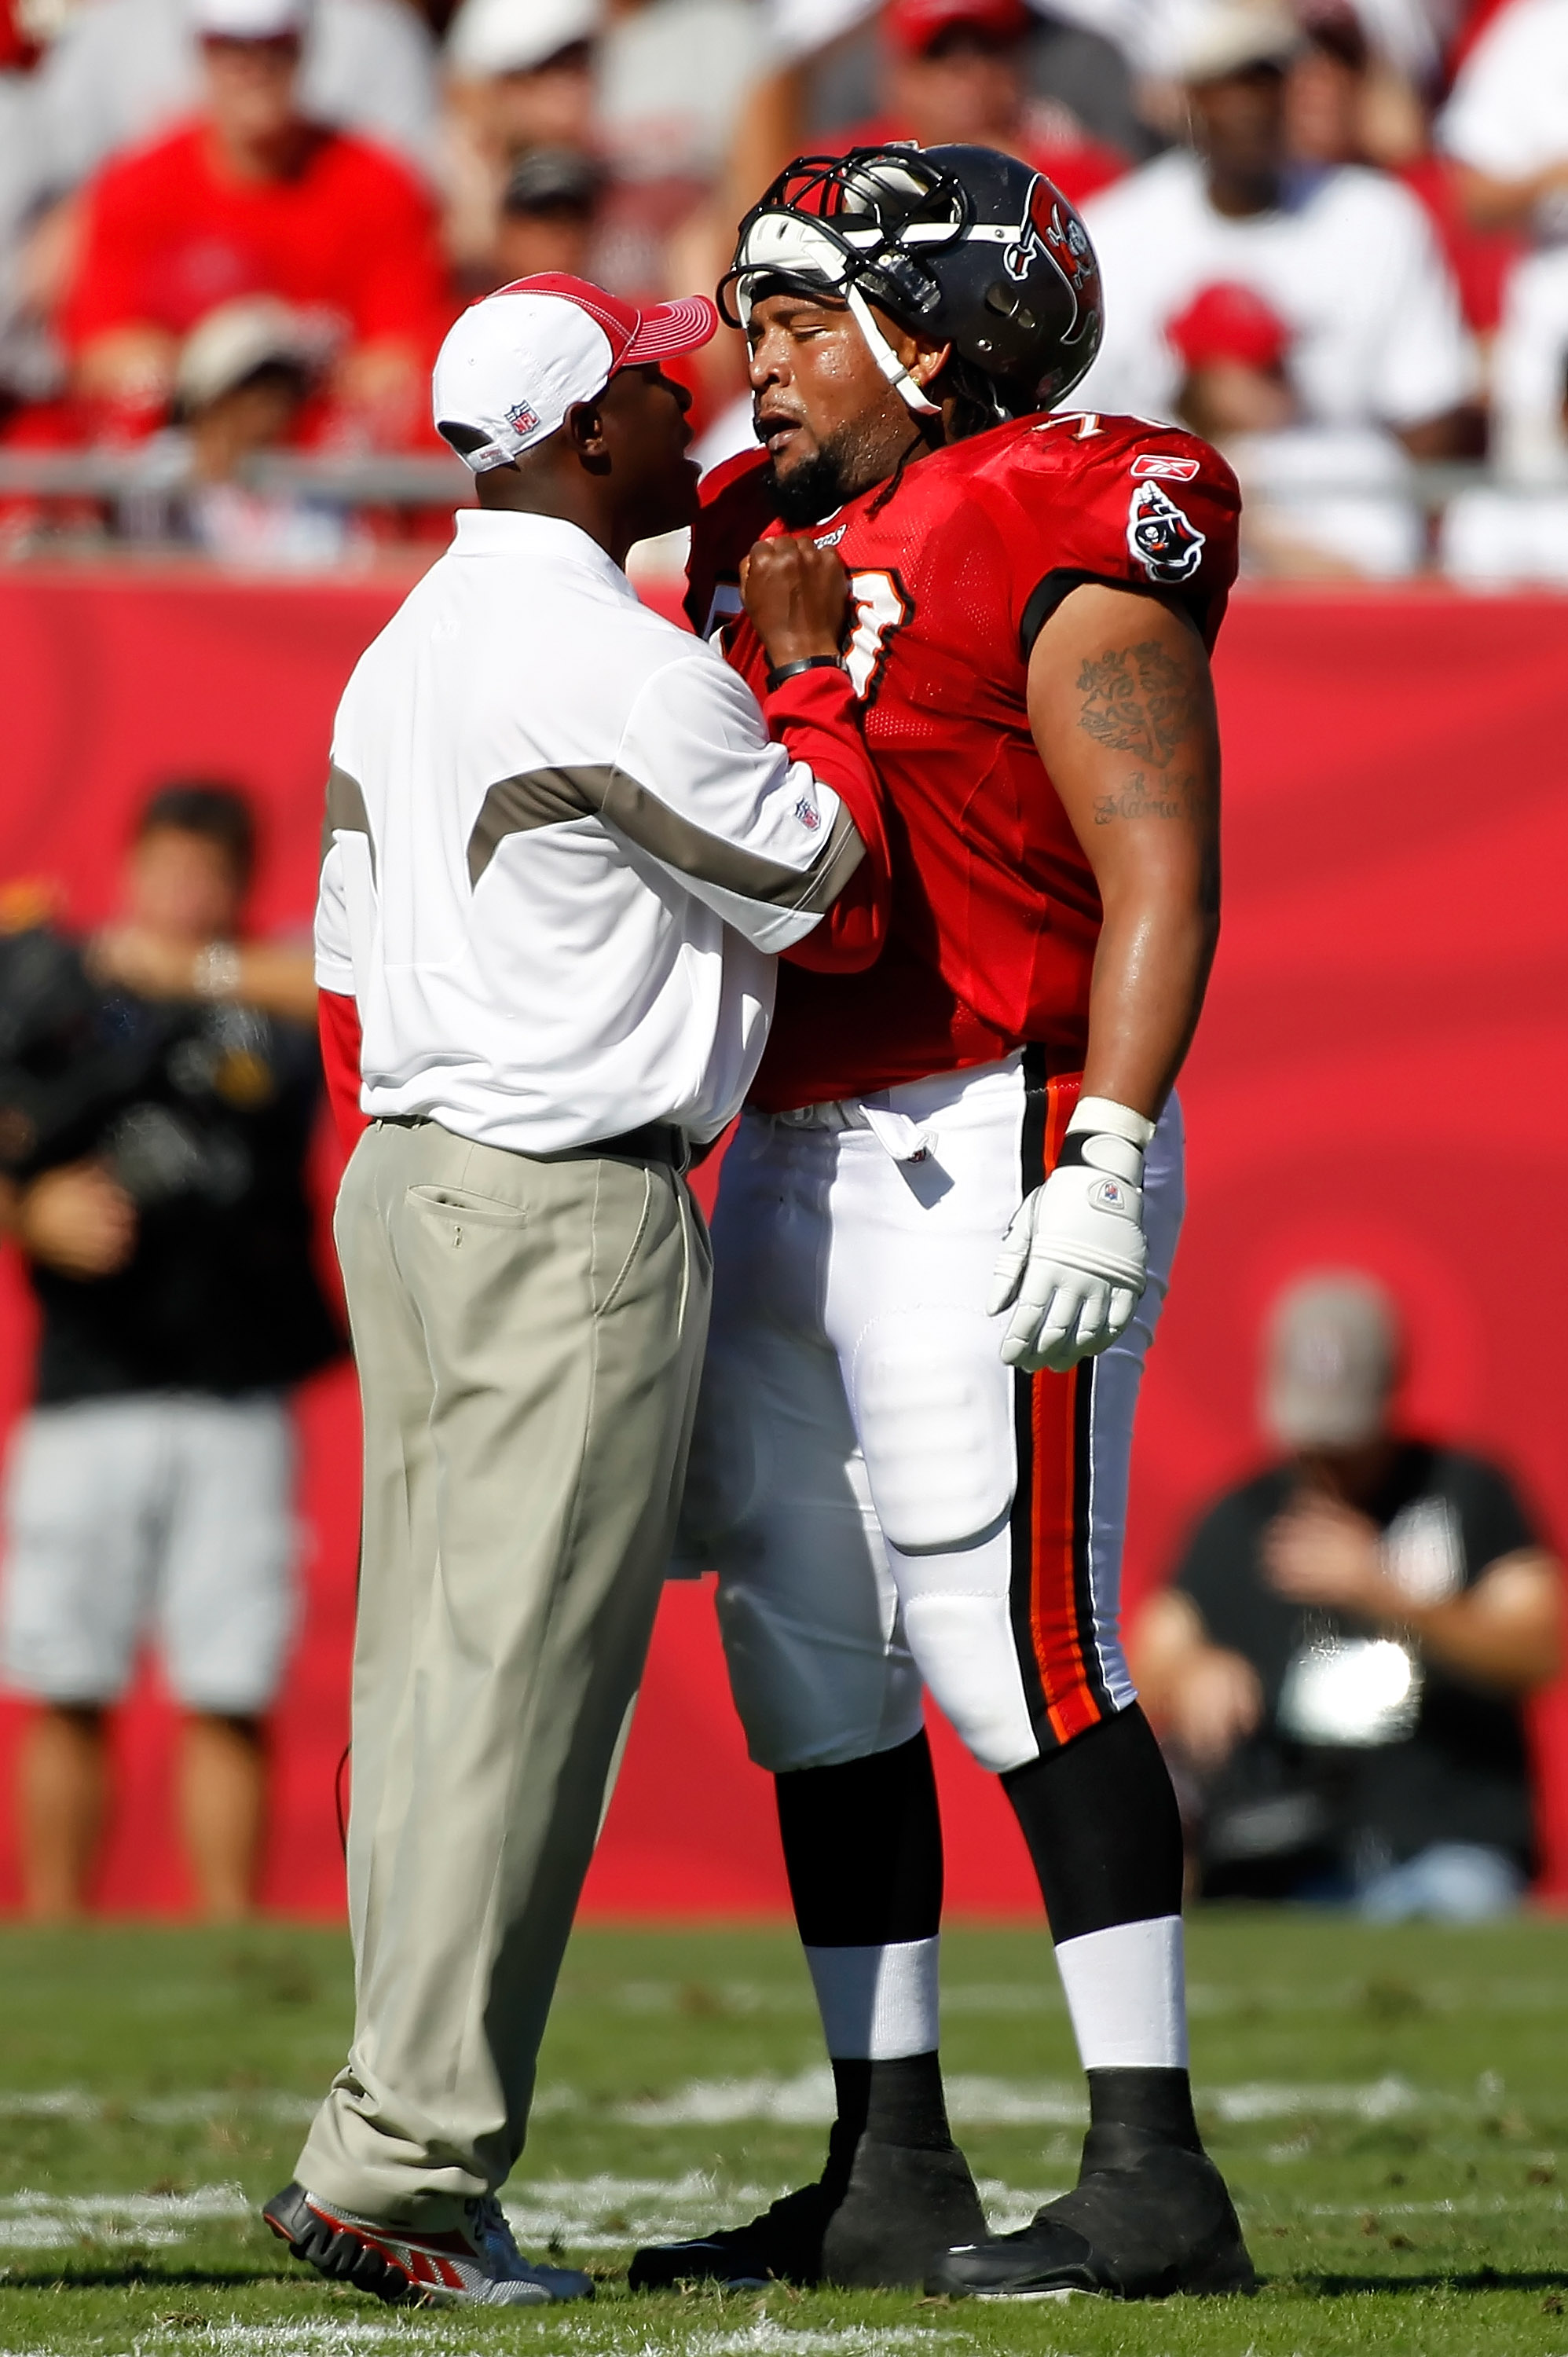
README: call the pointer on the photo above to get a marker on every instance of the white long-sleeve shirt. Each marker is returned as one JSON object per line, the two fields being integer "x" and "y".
{"x": 560, "y": 848}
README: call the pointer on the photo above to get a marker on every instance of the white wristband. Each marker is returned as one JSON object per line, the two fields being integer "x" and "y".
{"x": 1111, "y": 1119}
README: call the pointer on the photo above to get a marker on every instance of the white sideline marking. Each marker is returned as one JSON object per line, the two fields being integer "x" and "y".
{"x": 577, "y": 2210}
{"x": 1378, "y": 2099}
{"x": 157, "y": 2111}
{"x": 424, "y": 2334}
{"x": 32, "y": 2222}
{"x": 604, "y": 2212}
{"x": 804, "y": 2100}
{"x": 768, "y": 2339}
{"x": 974, "y": 2101}
{"x": 607, "y": 2213}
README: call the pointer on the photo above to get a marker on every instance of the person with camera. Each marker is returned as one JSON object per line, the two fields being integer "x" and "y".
{"x": 158, "y": 1092}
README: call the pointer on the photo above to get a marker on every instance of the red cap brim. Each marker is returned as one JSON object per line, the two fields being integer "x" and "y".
{"x": 669, "y": 328}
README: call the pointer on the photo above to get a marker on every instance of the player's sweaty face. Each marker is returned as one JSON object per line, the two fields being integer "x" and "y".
{"x": 824, "y": 411}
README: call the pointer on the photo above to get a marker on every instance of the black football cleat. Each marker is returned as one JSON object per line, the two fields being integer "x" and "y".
{"x": 1144, "y": 2220}
{"x": 879, "y": 2224}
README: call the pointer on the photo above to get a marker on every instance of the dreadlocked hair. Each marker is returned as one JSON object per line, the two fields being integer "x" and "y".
{"x": 978, "y": 402}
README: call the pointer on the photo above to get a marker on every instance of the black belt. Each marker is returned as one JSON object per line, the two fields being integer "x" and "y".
{"x": 656, "y": 1141}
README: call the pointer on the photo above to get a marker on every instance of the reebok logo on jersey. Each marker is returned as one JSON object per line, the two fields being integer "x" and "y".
{"x": 1166, "y": 542}
{"x": 1166, "y": 465}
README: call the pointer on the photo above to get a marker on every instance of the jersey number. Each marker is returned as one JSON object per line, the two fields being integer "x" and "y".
{"x": 880, "y": 608}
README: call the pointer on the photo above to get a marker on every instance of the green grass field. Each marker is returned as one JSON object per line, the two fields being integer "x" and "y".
{"x": 1389, "y": 2107}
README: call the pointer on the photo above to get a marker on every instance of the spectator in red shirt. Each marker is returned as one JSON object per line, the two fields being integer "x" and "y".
{"x": 252, "y": 197}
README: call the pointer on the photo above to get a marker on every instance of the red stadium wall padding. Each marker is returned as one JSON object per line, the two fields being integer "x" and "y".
{"x": 1380, "y": 1081}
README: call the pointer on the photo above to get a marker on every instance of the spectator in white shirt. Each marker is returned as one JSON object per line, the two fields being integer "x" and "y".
{"x": 1344, "y": 254}
{"x": 520, "y": 77}
{"x": 1516, "y": 530}
{"x": 124, "y": 69}
{"x": 1507, "y": 122}
{"x": 1321, "y": 501}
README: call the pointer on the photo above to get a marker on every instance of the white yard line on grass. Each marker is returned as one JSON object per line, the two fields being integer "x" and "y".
{"x": 191, "y": 2110}
{"x": 804, "y": 2099}
{"x": 606, "y": 2213}
{"x": 616, "y": 2335}
{"x": 807, "y": 2099}
{"x": 32, "y": 2221}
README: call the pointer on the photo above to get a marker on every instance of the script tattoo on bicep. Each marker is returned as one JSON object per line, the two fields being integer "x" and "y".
{"x": 1139, "y": 700}
{"x": 1142, "y": 797}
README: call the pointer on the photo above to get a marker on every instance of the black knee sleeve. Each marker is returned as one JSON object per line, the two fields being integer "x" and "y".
{"x": 862, "y": 1847}
{"x": 1102, "y": 1826}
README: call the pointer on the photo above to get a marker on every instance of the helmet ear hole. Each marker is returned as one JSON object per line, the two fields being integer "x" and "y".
{"x": 1009, "y": 304}
{"x": 1013, "y": 328}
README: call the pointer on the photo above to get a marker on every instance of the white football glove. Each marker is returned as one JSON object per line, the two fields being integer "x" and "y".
{"x": 1074, "y": 1260}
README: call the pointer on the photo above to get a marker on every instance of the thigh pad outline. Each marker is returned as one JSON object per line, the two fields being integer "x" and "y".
{"x": 932, "y": 1403}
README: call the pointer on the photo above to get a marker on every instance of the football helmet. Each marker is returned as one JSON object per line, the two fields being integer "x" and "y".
{"x": 963, "y": 243}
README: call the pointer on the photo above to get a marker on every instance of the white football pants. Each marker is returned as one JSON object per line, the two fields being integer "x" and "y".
{"x": 886, "y": 1504}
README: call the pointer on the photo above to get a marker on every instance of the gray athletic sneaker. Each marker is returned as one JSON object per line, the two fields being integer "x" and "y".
{"x": 476, "y": 2264}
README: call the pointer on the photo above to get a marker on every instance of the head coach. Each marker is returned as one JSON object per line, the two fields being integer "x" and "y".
{"x": 562, "y": 843}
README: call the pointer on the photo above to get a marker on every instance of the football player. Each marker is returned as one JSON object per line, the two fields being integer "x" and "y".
{"x": 911, "y": 1467}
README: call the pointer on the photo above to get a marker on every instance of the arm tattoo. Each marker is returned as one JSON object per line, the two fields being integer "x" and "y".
{"x": 1139, "y": 700}
{"x": 1144, "y": 798}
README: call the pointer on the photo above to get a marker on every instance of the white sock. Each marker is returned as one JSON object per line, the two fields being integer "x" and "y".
{"x": 1126, "y": 1991}
{"x": 877, "y": 2004}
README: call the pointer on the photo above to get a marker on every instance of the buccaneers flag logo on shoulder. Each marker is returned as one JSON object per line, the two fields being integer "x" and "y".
{"x": 1166, "y": 542}
{"x": 1051, "y": 231}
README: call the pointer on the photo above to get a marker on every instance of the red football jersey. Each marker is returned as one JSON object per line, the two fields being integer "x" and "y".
{"x": 953, "y": 568}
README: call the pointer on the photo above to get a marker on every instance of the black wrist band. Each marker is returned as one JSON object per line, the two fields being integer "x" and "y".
{"x": 777, "y": 677}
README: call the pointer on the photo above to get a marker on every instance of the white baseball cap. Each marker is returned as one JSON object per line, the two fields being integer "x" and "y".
{"x": 239, "y": 337}
{"x": 1331, "y": 1363}
{"x": 1231, "y": 35}
{"x": 514, "y": 364}
{"x": 496, "y": 37}
{"x": 250, "y": 20}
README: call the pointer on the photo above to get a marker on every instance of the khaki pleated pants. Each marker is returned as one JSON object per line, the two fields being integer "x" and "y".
{"x": 528, "y": 1334}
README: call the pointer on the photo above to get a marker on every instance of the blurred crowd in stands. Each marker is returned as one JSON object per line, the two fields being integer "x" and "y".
{"x": 1334, "y": 236}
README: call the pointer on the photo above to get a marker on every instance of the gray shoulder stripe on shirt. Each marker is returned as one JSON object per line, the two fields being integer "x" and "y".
{"x": 552, "y": 797}
{"x": 536, "y": 798}
{"x": 346, "y": 812}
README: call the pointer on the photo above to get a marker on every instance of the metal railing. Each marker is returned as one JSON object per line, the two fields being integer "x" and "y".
{"x": 113, "y": 475}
